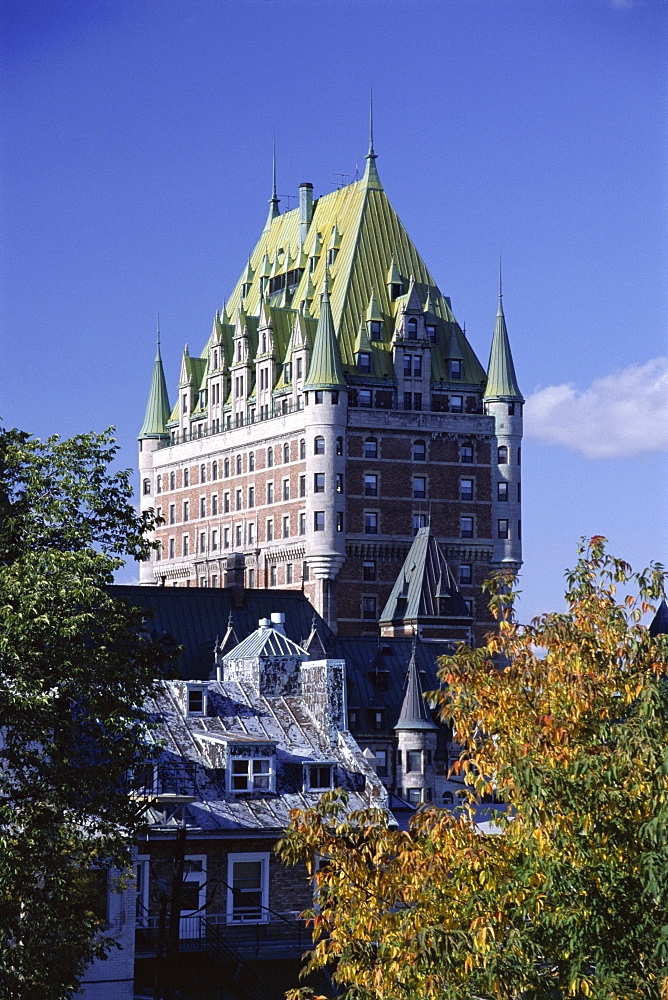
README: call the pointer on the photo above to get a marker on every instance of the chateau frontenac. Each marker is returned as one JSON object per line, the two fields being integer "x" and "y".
{"x": 336, "y": 410}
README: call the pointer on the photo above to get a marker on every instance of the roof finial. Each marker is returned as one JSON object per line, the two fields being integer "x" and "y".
{"x": 273, "y": 169}
{"x": 158, "y": 331}
{"x": 371, "y": 152}
{"x": 500, "y": 280}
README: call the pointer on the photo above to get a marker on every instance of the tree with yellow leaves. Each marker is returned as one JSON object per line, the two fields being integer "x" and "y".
{"x": 565, "y": 719}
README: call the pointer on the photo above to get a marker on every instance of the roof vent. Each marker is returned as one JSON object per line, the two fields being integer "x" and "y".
{"x": 264, "y": 623}
{"x": 278, "y": 621}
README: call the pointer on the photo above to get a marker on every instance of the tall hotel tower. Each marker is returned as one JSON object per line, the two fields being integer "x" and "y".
{"x": 336, "y": 409}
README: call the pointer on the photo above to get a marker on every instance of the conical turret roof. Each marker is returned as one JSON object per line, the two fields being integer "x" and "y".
{"x": 414, "y": 712}
{"x": 501, "y": 378}
{"x": 325, "y": 370}
{"x": 158, "y": 409}
{"x": 425, "y": 587}
{"x": 659, "y": 624}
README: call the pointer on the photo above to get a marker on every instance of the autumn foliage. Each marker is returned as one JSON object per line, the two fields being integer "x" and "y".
{"x": 566, "y": 719}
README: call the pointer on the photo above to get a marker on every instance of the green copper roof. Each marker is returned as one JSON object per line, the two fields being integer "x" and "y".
{"x": 414, "y": 713}
{"x": 501, "y": 378}
{"x": 325, "y": 370}
{"x": 425, "y": 587}
{"x": 157, "y": 407}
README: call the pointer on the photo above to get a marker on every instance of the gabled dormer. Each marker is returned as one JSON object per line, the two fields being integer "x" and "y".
{"x": 374, "y": 318}
{"x": 247, "y": 280}
{"x": 364, "y": 353}
{"x": 333, "y": 246}
{"x": 394, "y": 282}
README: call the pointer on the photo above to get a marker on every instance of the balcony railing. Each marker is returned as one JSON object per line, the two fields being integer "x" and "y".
{"x": 282, "y": 935}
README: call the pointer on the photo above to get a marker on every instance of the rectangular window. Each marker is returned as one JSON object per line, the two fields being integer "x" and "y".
{"x": 288, "y": 573}
{"x": 339, "y": 482}
{"x": 413, "y": 795}
{"x": 286, "y": 489}
{"x": 202, "y": 506}
{"x": 172, "y": 545}
{"x": 466, "y": 527}
{"x": 465, "y": 573}
{"x": 365, "y": 397}
{"x": 519, "y": 493}
{"x": 339, "y": 520}
{"x": 251, "y": 496}
{"x": 196, "y": 701}
{"x": 370, "y": 522}
{"x": 369, "y": 608}
{"x": 302, "y": 523}
{"x": 364, "y": 361}
{"x": 226, "y": 538}
{"x": 466, "y": 489}
{"x": 375, "y": 330}
{"x": 319, "y": 776}
{"x": 408, "y": 401}
{"x": 239, "y": 502}
{"x": 318, "y": 520}
{"x": 248, "y": 888}
{"x": 214, "y": 504}
{"x": 251, "y": 533}
{"x": 419, "y": 521}
{"x": 419, "y": 487}
{"x": 408, "y": 363}
{"x": 466, "y": 453}
{"x": 172, "y": 513}
{"x": 251, "y": 578}
{"x": 273, "y": 576}
{"x": 214, "y": 541}
{"x": 369, "y": 570}
{"x": 239, "y": 533}
{"x": 299, "y": 368}
{"x": 371, "y": 448}
{"x": 370, "y": 484}
{"x": 319, "y": 482}
{"x": 417, "y": 365}
{"x": 251, "y": 775}
{"x": 502, "y": 528}
{"x": 318, "y": 394}
{"x": 286, "y": 526}
{"x": 270, "y": 530}
{"x": 306, "y": 573}
{"x": 186, "y": 545}
{"x": 377, "y": 720}
{"x": 226, "y": 503}
{"x": 502, "y": 491}
{"x": 381, "y": 763}
{"x": 270, "y": 492}
{"x": 302, "y": 486}
{"x": 417, "y": 400}
{"x": 456, "y": 404}
{"x": 414, "y": 760}
{"x": 186, "y": 510}
{"x": 202, "y": 541}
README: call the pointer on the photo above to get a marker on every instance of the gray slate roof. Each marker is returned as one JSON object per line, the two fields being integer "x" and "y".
{"x": 414, "y": 713}
{"x": 424, "y": 580}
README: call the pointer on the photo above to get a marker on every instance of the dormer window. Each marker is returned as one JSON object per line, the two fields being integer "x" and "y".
{"x": 375, "y": 329}
{"x": 245, "y": 289}
{"x": 364, "y": 361}
{"x": 431, "y": 333}
{"x": 412, "y": 327}
{"x": 196, "y": 701}
{"x": 318, "y": 777}
{"x": 251, "y": 775}
{"x": 312, "y": 264}
{"x": 287, "y": 372}
{"x": 455, "y": 368}
{"x": 331, "y": 256}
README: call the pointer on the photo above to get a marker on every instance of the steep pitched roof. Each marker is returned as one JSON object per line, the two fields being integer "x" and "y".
{"x": 414, "y": 713}
{"x": 659, "y": 624}
{"x": 268, "y": 641}
{"x": 501, "y": 378}
{"x": 157, "y": 407}
{"x": 425, "y": 587}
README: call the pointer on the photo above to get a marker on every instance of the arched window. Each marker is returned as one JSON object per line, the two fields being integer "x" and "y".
{"x": 302, "y": 449}
{"x": 503, "y": 455}
{"x": 319, "y": 446}
{"x": 147, "y": 487}
{"x": 339, "y": 446}
{"x": 202, "y": 473}
{"x": 286, "y": 453}
{"x": 172, "y": 480}
{"x": 158, "y": 485}
{"x": 251, "y": 461}
{"x": 412, "y": 326}
{"x": 226, "y": 468}
{"x": 419, "y": 451}
{"x": 238, "y": 465}
{"x": 447, "y": 798}
{"x": 214, "y": 470}
{"x": 186, "y": 477}
{"x": 270, "y": 458}
{"x": 371, "y": 448}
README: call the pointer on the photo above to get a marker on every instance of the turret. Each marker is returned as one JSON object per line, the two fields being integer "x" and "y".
{"x": 416, "y": 741}
{"x": 503, "y": 401}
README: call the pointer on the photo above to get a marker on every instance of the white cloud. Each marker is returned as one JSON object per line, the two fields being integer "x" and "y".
{"x": 617, "y": 416}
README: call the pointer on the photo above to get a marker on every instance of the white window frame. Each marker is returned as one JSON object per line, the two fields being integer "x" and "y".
{"x": 251, "y": 785}
{"x": 189, "y": 928}
{"x": 234, "y": 858}
{"x": 196, "y": 687}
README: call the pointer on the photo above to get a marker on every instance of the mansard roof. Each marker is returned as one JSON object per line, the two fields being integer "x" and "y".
{"x": 425, "y": 586}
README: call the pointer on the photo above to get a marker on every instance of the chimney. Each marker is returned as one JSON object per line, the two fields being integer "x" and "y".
{"x": 236, "y": 571}
{"x": 278, "y": 622}
{"x": 305, "y": 210}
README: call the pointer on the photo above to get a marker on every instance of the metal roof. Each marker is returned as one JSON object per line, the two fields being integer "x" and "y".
{"x": 425, "y": 586}
{"x": 157, "y": 406}
{"x": 325, "y": 370}
{"x": 414, "y": 713}
{"x": 501, "y": 378}
{"x": 266, "y": 641}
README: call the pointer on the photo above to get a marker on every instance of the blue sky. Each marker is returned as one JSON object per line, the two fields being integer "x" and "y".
{"x": 135, "y": 171}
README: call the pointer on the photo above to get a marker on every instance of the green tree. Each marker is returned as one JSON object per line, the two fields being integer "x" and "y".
{"x": 567, "y": 720}
{"x": 74, "y": 667}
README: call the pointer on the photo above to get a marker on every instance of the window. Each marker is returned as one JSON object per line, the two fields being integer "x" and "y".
{"x": 270, "y": 492}
{"x": 456, "y": 404}
{"x": 239, "y": 538}
{"x": 272, "y": 576}
{"x": 172, "y": 513}
{"x": 302, "y": 449}
{"x": 251, "y": 533}
{"x": 377, "y": 720}
{"x": 185, "y": 545}
{"x": 202, "y": 473}
{"x": 270, "y": 530}
{"x": 248, "y": 887}
{"x": 369, "y": 570}
{"x": 158, "y": 485}
{"x": 302, "y": 486}
{"x": 172, "y": 546}
{"x": 353, "y": 718}
{"x": 370, "y": 484}
{"x": 226, "y": 468}
{"x": 286, "y": 489}
{"x": 375, "y": 329}
{"x": 381, "y": 763}
{"x": 302, "y": 523}
{"x": 196, "y": 701}
{"x": 202, "y": 541}
{"x": 319, "y": 446}
{"x": 371, "y": 448}
{"x": 369, "y": 608}
{"x": 365, "y": 397}
{"x": 214, "y": 471}
{"x": 502, "y": 528}
{"x": 226, "y": 538}
{"x": 287, "y": 372}
{"x": 214, "y": 503}
{"x": 339, "y": 482}
{"x": 339, "y": 447}
{"x": 408, "y": 363}
{"x": 511, "y": 409}
{"x": 419, "y": 451}
{"x": 288, "y": 573}
{"x": 147, "y": 487}
{"x": 239, "y": 466}
{"x": 186, "y": 477}
{"x": 202, "y": 506}
{"x": 364, "y": 361}
{"x": 251, "y": 496}
{"x": 419, "y": 521}
{"x": 319, "y": 482}
{"x": 286, "y": 526}
{"x": 226, "y": 503}
{"x": 172, "y": 480}
{"x": 413, "y": 795}
{"x": 319, "y": 776}
{"x": 239, "y": 500}
{"x": 286, "y": 453}
{"x": 318, "y": 520}
{"x": 370, "y": 522}
{"x": 251, "y": 461}
{"x": 414, "y": 760}
{"x": 417, "y": 365}
{"x": 466, "y": 489}
{"x": 419, "y": 487}
{"x": 502, "y": 458}
{"x": 299, "y": 368}
{"x": 186, "y": 510}
{"x": 214, "y": 541}
{"x": 339, "y": 520}
{"x": 465, "y": 573}
{"x": 251, "y": 577}
{"x": 417, "y": 400}
{"x": 408, "y": 401}
{"x": 306, "y": 574}
{"x": 455, "y": 368}
{"x": 466, "y": 527}
{"x": 270, "y": 458}
{"x": 466, "y": 453}
{"x": 502, "y": 491}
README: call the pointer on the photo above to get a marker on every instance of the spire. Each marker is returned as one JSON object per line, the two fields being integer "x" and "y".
{"x": 274, "y": 200}
{"x": 659, "y": 623}
{"x": 157, "y": 408}
{"x": 325, "y": 370}
{"x": 501, "y": 379}
{"x": 371, "y": 180}
{"x": 414, "y": 713}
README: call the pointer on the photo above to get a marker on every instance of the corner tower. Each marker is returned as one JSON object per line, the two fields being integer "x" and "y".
{"x": 153, "y": 433}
